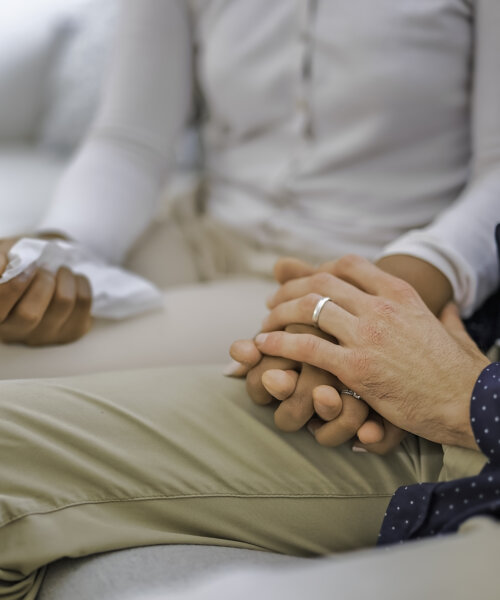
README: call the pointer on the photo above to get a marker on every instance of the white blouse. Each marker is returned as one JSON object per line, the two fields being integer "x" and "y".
{"x": 337, "y": 126}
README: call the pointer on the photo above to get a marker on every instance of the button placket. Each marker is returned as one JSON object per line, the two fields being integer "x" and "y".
{"x": 307, "y": 14}
{"x": 301, "y": 123}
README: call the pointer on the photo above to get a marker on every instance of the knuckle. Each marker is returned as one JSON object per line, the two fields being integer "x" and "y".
{"x": 321, "y": 280}
{"x": 347, "y": 262}
{"x": 310, "y": 344}
{"x": 287, "y": 420}
{"x": 63, "y": 299}
{"x": 65, "y": 271}
{"x": 383, "y": 307}
{"x": 373, "y": 332}
{"x": 17, "y": 285}
{"x": 403, "y": 290}
{"x": 300, "y": 410}
{"x": 350, "y": 424}
{"x": 29, "y": 316}
{"x": 254, "y": 380}
{"x": 308, "y": 303}
{"x": 47, "y": 278}
{"x": 360, "y": 363}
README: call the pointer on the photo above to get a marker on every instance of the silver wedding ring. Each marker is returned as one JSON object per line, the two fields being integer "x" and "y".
{"x": 352, "y": 393}
{"x": 318, "y": 308}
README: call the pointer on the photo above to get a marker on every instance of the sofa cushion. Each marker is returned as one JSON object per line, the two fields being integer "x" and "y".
{"x": 29, "y": 35}
{"x": 137, "y": 572}
{"x": 76, "y": 80}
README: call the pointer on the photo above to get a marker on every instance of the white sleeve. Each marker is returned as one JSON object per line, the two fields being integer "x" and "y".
{"x": 109, "y": 193}
{"x": 461, "y": 241}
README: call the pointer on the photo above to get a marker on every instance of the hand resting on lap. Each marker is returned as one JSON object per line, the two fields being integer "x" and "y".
{"x": 305, "y": 391}
{"x": 384, "y": 330}
{"x": 39, "y": 308}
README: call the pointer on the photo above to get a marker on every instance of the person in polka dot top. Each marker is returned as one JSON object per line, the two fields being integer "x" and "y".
{"x": 435, "y": 508}
{"x": 422, "y": 378}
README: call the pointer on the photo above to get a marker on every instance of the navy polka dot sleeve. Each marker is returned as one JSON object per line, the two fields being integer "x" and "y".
{"x": 428, "y": 509}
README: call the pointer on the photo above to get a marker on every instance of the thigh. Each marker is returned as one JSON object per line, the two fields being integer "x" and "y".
{"x": 196, "y": 326}
{"x": 178, "y": 455}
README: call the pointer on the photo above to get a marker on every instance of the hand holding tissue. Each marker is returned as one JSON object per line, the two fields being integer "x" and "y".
{"x": 116, "y": 293}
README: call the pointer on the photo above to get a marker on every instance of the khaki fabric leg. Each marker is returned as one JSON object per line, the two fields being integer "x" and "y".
{"x": 461, "y": 462}
{"x": 197, "y": 326}
{"x": 176, "y": 456}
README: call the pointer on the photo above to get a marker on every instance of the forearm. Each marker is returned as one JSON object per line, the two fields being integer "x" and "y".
{"x": 109, "y": 194}
{"x": 432, "y": 285}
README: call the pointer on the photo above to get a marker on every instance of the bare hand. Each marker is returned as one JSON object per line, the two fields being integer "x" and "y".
{"x": 39, "y": 308}
{"x": 392, "y": 350}
{"x": 305, "y": 391}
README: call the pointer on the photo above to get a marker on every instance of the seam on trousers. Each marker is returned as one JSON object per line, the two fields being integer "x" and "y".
{"x": 187, "y": 497}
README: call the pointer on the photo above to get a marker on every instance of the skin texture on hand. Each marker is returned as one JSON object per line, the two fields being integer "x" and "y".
{"x": 39, "y": 308}
{"x": 377, "y": 435}
{"x": 432, "y": 286}
{"x": 305, "y": 391}
{"x": 413, "y": 370}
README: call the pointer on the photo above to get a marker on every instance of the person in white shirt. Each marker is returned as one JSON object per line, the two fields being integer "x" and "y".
{"x": 327, "y": 128}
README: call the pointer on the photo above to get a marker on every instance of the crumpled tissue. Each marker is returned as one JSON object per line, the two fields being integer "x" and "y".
{"x": 116, "y": 293}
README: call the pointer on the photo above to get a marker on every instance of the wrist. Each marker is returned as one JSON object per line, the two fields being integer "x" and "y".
{"x": 458, "y": 429}
{"x": 430, "y": 283}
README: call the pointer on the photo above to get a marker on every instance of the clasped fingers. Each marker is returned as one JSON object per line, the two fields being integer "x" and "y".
{"x": 332, "y": 319}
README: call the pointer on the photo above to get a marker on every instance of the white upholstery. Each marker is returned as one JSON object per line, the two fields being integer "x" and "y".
{"x": 28, "y": 42}
{"x": 52, "y": 61}
{"x": 78, "y": 72}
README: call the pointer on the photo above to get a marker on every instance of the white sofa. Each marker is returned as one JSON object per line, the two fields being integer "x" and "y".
{"x": 53, "y": 56}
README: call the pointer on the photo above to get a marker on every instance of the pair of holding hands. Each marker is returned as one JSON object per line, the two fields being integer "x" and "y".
{"x": 376, "y": 337}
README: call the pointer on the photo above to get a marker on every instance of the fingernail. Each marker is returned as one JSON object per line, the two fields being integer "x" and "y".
{"x": 232, "y": 369}
{"x": 261, "y": 338}
{"x": 359, "y": 450}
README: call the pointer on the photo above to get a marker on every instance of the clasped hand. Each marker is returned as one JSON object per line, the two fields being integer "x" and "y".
{"x": 308, "y": 395}
{"x": 414, "y": 369}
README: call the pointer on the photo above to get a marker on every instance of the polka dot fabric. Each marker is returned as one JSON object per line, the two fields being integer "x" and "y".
{"x": 429, "y": 509}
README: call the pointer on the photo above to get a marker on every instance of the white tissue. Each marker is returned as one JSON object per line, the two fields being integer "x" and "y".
{"x": 116, "y": 293}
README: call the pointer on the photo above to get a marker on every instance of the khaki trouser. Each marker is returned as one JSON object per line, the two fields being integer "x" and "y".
{"x": 180, "y": 456}
{"x": 214, "y": 286}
